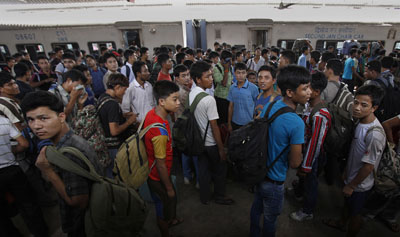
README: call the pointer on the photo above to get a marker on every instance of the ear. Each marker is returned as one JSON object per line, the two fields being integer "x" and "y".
{"x": 290, "y": 93}
{"x": 62, "y": 117}
{"x": 374, "y": 108}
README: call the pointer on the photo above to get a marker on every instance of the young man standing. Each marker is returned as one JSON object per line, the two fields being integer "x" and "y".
{"x": 68, "y": 62}
{"x": 138, "y": 98}
{"x": 159, "y": 150}
{"x": 22, "y": 75}
{"x": 288, "y": 133}
{"x": 212, "y": 163}
{"x": 242, "y": 96}
{"x": 257, "y": 61}
{"x": 111, "y": 64}
{"x": 10, "y": 61}
{"x": 303, "y": 58}
{"x": 166, "y": 65}
{"x": 126, "y": 70}
{"x": 317, "y": 123}
{"x": 45, "y": 78}
{"x": 46, "y": 117}
{"x": 350, "y": 70}
{"x": 266, "y": 81}
{"x": 97, "y": 74}
{"x": 364, "y": 157}
{"x": 58, "y": 53}
{"x": 144, "y": 57}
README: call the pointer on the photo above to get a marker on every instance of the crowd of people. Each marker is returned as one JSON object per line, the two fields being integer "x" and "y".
{"x": 39, "y": 103}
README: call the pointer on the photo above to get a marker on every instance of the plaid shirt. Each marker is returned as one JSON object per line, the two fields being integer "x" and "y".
{"x": 72, "y": 218}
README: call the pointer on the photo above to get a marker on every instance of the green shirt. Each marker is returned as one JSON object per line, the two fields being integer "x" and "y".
{"x": 218, "y": 75}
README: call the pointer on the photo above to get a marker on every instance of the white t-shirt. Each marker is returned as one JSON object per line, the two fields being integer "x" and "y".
{"x": 365, "y": 150}
{"x": 7, "y": 131}
{"x": 206, "y": 110}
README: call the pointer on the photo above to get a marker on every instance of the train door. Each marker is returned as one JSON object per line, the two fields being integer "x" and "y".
{"x": 4, "y": 52}
{"x": 196, "y": 34}
{"x": 259, "y": 32}
{"x": 131, "y": 38}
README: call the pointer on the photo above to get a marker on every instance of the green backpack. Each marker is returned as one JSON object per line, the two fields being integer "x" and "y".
{"x": 114, "y": 209}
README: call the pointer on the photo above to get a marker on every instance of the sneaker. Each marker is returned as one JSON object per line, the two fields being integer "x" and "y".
{"x": 301, "y": 216}
{"x": 186, "y": 180}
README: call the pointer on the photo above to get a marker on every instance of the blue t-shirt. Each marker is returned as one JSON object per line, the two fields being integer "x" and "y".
{"x": 302, "y": 61}
{"x": 348, "y": 71}
{"x": 286, "y": 129}
{"x": 243, "y": 102}
{"x": 91, "y": 100}
{"x": 97, "y": 80}
{"x": 261, "y": 102}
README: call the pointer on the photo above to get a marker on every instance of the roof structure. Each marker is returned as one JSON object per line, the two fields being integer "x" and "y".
{"x": 90, "y": 12}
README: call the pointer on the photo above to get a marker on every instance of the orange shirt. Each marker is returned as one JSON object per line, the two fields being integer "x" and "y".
{"x": 162, "y": 76}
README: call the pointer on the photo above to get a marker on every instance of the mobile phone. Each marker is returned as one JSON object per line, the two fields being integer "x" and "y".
{"x": 79, "y": 87}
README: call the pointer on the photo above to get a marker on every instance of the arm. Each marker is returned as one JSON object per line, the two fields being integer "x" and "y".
{"x": 160, "y": 153}
{"x": 295, "y": 155}
{"x": 74, "y": 95}
{"x": 388, "y": 126}
{"x": 226, "y": 73}
{"x": 127, "y": 101}
{"x": 363, "y": 173}
{"x": 230, "y": 114}
{"x": 116, "y": 129}
{"x": 22, "y": 145}
{"x": 163, "y": 172}
{"x": 217, "y": 136}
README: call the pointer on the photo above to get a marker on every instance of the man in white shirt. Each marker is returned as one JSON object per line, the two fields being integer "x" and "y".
{"x": 212, "y": 163}
{"x": 130, "y": 58}
{"x": 138, "y": 97}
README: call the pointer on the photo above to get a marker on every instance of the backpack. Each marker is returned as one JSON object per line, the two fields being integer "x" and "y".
{"x": 248, "y": 147}
{"x": 339, "y": 137}
{"x": 186, "y": 133}
{"x": 389, "y": 106}
{"x": 387, "y": 176}
{"x": 114, "y": 209}
{"x": 88, "y": 126}
{"x": 128, "y": 71}
{"x": 131, "y": 165}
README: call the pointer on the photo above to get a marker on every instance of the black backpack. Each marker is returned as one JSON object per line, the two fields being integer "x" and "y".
{"x": 248, "y": 147}
{"x": 390, "y": 106}
{"x": 186, "y": 132}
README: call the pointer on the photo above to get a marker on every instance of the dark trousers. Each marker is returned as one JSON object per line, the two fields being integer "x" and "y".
{"x": 222, "y": 107}
{"x": 235, "y": 126}
{"x": 13, "y": 180}
{"x": 211, "y": 168}
{"x": 350, "y": 85}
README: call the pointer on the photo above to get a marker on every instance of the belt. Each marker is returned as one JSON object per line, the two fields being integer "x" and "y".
{"x": 273, "y": 181}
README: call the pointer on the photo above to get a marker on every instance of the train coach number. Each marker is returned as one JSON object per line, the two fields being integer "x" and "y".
{"x": 25, "y": 36}
{"x": 61, "y": 36}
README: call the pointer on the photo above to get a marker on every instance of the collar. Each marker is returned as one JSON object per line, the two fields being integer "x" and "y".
{"x": 245, "y": 85}
{"x": 136, "y": 84}
{"x": 128, "y": 64}
{"x": 62, "y": 91}
{"x": 198, "y": 88}
{"x": 66, "y": 136}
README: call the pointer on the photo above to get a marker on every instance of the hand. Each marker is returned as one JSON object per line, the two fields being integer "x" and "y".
{"x": 42, "y": 163}
{"x": 222, "y": 154}
{"x": 76, "y": 93}
{"x": 301, "y": 173}
{"x": 171, "y": 193}
{"x": 128, "y": 114}
{"x": 49, "y": 80}
{"x": 347, "y": 190}
{"x": 132, "y": 119}
{"x": 230, "y": 128}
{"x": 82, "y": 99}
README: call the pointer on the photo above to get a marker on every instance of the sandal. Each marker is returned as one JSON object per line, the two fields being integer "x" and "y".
{"x": 224, "y": 201}
{"x": 175, "y": 222}
{"x": 334, "y": 224}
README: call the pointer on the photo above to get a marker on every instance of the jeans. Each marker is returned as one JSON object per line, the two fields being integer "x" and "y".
{"x": 268, "y": 200}
{"x": 112, "y": 153}
{"x": 186, "y": 160}
{"x": 311, "y": 188}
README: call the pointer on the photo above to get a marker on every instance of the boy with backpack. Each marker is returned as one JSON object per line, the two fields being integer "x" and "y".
{"x": 285, "y": 149}
{"x": 365, "y": 153}
{"x": 158, "y": 143}
{"x": 318, "y": 122}
{"x": 212, "y": 162}
{"x": 47, "y": 119}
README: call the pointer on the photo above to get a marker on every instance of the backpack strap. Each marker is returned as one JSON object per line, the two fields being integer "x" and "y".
{"x": 317, "y": 108}
{"x": 57, "y": 158}
{"x": 219, "y": 69}
{"x": 374, "y": 128}
{"x": 338, "y": 93}
{"x": 102, "y": 103}
{"x": 196, "y": 100}
{"x": 128, "y": 71}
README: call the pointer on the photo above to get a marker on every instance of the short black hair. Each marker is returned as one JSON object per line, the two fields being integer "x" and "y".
{"x": 326, "y": 56}
{"x": 375, "y": 65}
{"x": 216, "y": 43}
{"x": 21, "y": 69}
{"x": 352, "y": 51}
{"x": 116, "y": 79}
{"x": 316, "y": 55}
{"x": 197, "y": 70}
{"x": 5, "y": 78}
{"x": 213, "y": 54}
{"x": 276, "y": 50}
{"x": 143, "y": 50}
{"x": 108, "y": 55}
{"x": 137, "y": 67}
{"x": 164, "y": 88}
{"x": 303, "y": 49}
{"x": 336, "y": 65}
{"x": 178, "y": 47}
{"x": 251, "y": 73}
{"x": 226, "y": 54}
{"x": 68, "y": 55}
{"x": 387, "y": 62}
{"x": 189, "y": 52}
{"x": 27, "y": 63}
{"x": 318, "y": 81}
{"x": 179, "y": 68}
{"x": 240, "y": 66}
{"x": 90, "y": 56}
{"x": 128, "y": 53}
{"x": 8, "y": 59}
{"x": 289, "y": 55}
{"x": 264, "y": 51}
{"x": 237, "y": 54}
{"x": 291, "y": 77}
{"x": 17, "y": 55}
{"x": 376, "y": 93}
{"x": 36, "y": 99}
{"x": 180, "y": 57}
{"x": 162, "y": 58}
{"x": 57, "y": 49}
{"x": 103, "y": 48}
{"x": 39, "y": 57}
{"x": 188, "y": 63}
{"x": 74, "y": 75}
{"x": 269, "y": 69}
{"x": 81, "y": 68}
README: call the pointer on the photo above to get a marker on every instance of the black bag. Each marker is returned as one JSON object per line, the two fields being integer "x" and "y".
{"x": 390, "y": 106}
{"x": 248, "y": 147}
{"x": 186, "y": 132}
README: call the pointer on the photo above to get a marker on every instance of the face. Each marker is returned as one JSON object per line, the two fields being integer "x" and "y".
{"x": 265, "y": 80}
{"x": 88, "y": 76}
{"x": 215, "y": 60}
{"x": 206, "y": 80}
{"x": 321, "y": 65}
{"x": 10, "y": 88}
{"x": 171, "y": 103}
{"x": 282, "y": 62}
{"x": 168, "y": 64}
{"x": 69, "y": 85}
{"x": 132, "y": 58}
{"x": 363, "y": 106}
{"x": 146, "y": 55}
{"x": 59, "y": 54}
{"x": 370, "y": 74}
{"x": 301, "y": 95}
{"x": 69, "y": 63}
{"x": 90, "y": 62}
{"x": 239, "y": 59}
{"x": 44, "y": 64}
{"x": 253, "y": 79}
{"x": 240, "y": 75}
{"x": 11, "y": 63}
{"x": 27, "y": 56}
{"x": 120, "y": 91}
{"x": 45, "y": 123}
{"x": 144, "y": 73}
{"x": 183, "y": 79}
{"x": 258, "y": 52}
{"x": 112, "y": 64}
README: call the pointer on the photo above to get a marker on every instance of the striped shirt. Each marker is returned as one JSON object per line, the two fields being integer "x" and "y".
{"x": 7, "y": 131}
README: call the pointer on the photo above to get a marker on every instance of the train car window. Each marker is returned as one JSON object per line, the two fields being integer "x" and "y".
{"x": 94, "y": 47}
{"x": 370, "y": 41}
{"x": 4, "y": 52}
{"x": 285, "y": 44}
{"x": 324, "y": 44}
{"x": 396, "y": 45}
{"x": 34, "y": 50}
{"x": 132, "y": 38}
{"x": 65, "y": 46}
